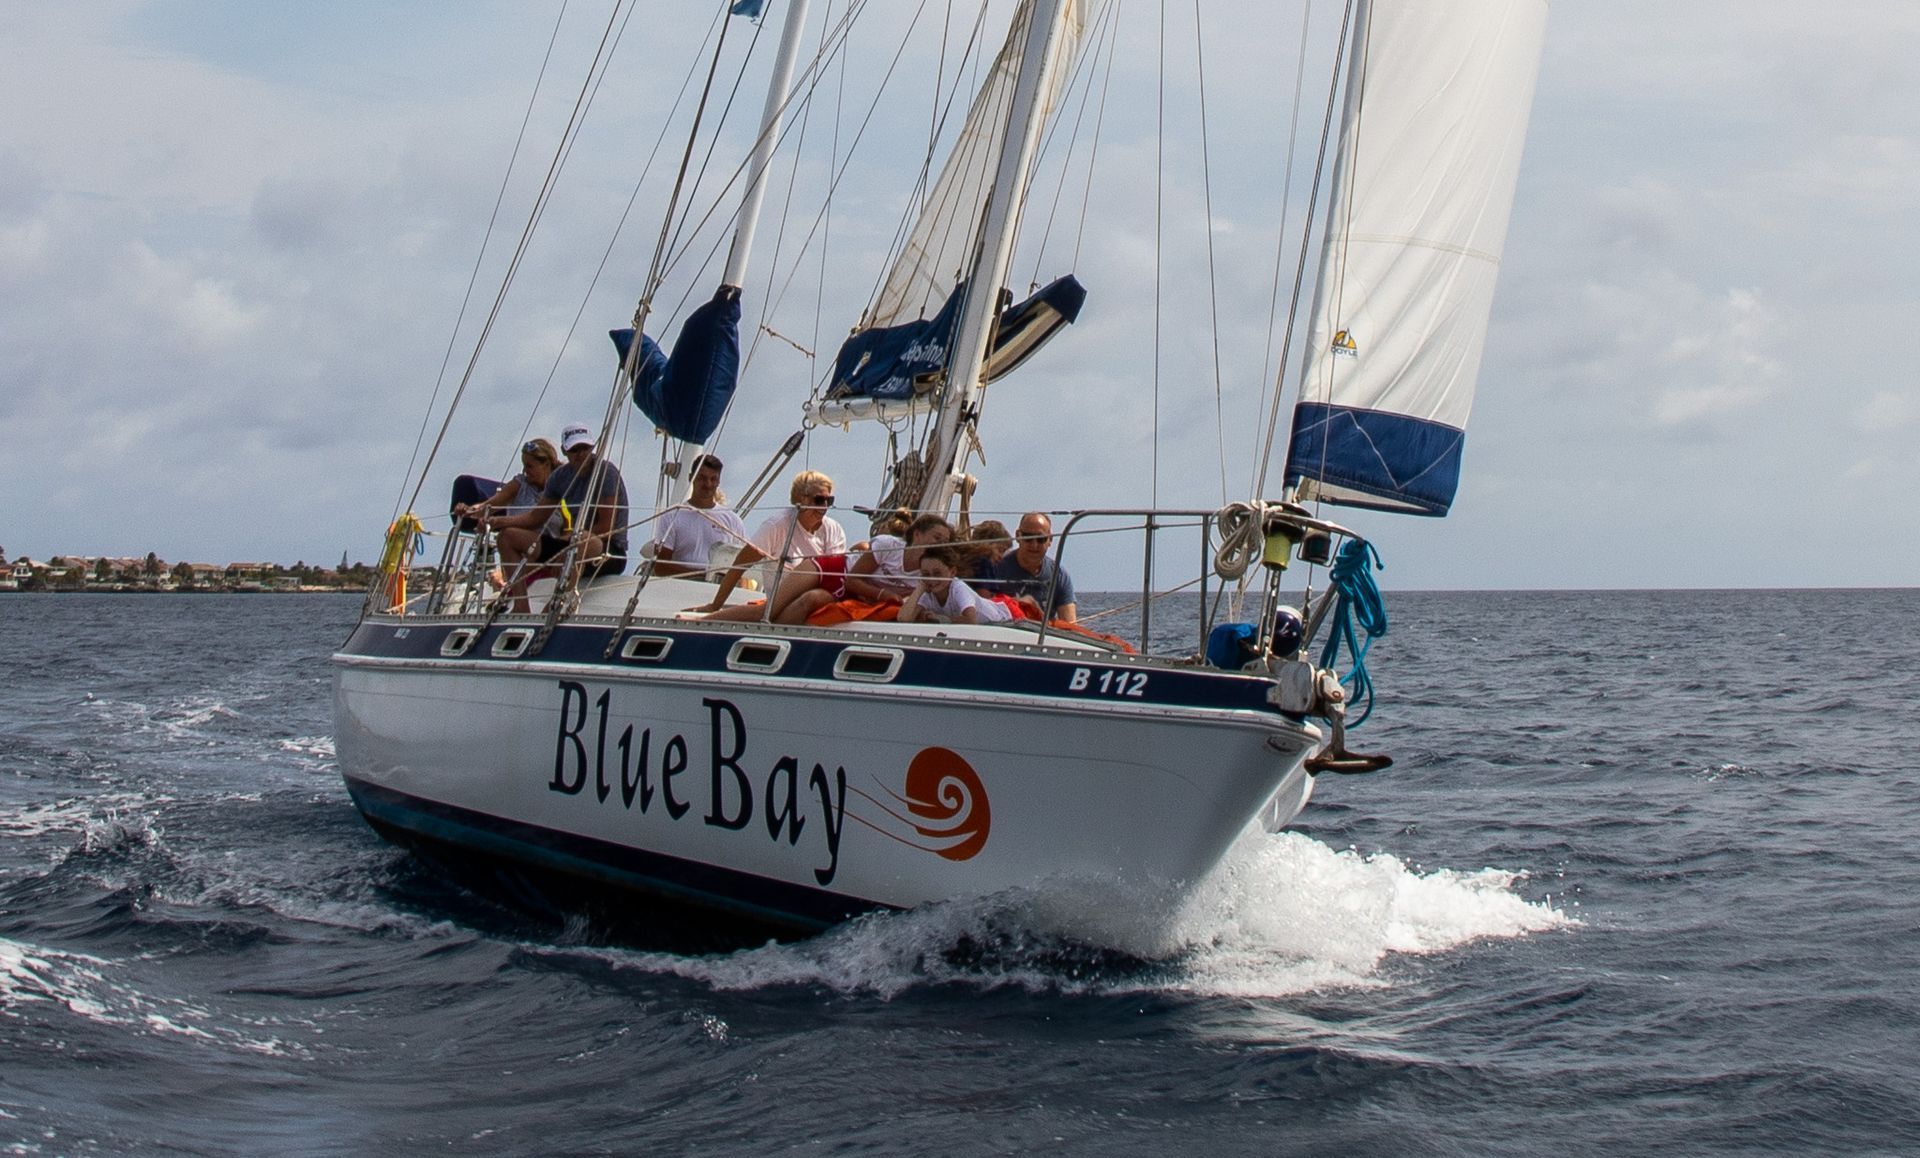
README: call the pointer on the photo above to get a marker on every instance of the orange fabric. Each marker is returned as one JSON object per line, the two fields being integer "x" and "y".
{"x": 1063, "y": 625}
{"x": 852, "y": 610}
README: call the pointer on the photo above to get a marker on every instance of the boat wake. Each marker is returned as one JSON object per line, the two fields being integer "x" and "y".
{"x": 1282, "y": 915}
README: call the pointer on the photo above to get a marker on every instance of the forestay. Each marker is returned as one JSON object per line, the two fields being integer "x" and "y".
{"x": 1429, "y": 153}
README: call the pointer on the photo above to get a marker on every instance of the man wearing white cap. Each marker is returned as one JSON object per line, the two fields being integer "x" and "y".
{"x": 543, "y": 533}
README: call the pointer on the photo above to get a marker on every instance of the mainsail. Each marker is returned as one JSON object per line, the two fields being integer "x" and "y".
{"x": 1436, "y": 114}
{"x": 915, "y": 312}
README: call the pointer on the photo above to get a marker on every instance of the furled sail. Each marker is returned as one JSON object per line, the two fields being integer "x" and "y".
{"x": 914, "y": 313}
{"x": 1436, "y": 114}
{"x": 686, "y": 394}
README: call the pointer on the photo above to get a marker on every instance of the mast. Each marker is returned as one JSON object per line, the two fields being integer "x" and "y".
{"x": 756, "y": 191}
{"x": 982, "y": 304}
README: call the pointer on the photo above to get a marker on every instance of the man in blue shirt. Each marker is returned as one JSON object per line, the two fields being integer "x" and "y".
{"x": 1028, "y": 570}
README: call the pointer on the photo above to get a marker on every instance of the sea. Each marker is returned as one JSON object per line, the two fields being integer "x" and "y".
{"x": 1641, "y": 881}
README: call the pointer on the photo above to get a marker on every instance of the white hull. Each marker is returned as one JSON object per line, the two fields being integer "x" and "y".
{"x": 787, "y": 796}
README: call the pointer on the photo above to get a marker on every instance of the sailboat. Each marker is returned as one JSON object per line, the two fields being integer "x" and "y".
{"x": 781, "y": 779}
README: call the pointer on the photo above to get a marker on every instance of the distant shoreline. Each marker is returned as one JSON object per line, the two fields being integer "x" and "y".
{"x": 357, "y": 591}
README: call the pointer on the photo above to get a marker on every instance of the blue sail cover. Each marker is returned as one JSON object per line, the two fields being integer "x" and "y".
{"x": 1376, "y": 458}
{"x": 883, "y": 362}
{"x": 686, "y": 395}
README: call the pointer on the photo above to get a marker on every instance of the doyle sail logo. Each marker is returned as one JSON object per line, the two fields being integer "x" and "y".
{"x": 1343, "y": 346}
{"x": 944, "y": 806}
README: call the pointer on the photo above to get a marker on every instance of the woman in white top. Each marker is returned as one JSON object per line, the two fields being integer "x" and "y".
{"x": 944, "y": 599}
{"x": 885, "y": 569}
{"x": 812, "y": 546}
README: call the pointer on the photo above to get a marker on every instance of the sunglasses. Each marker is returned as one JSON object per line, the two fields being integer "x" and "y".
{"x": 817, "y": 501}
{"x": 1030, "y": 538}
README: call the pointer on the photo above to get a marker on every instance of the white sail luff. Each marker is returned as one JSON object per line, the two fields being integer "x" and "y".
{"x": 1429, "y": 155}
{"x": 944, "y": 237}
{"x": 1038, "y": 64}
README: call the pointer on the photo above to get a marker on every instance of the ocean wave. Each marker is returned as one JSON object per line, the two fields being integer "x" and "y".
{"x": 34, "y": 979}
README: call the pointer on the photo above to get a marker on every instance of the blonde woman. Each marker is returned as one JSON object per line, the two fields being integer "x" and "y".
{"x": 808, "y": 542}
{"x": 516, "y": 496}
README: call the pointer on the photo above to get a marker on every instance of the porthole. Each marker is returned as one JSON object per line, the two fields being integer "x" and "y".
{"x": 653, "y": 648}
{"x": 459, "y": 641}
{"x": 763, "y": 655}
{"x": 873, "y": 664}
{"x": 512, "y": 643}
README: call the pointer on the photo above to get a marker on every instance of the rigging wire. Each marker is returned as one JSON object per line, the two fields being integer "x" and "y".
{"x": 473, "y": 279}
{"x": 1213, "y": 286}
{"x": 1269, "y": 379}
{"x": 1300, "y": 270}
{"x": 916, "y": 208}
{"x": 619, "y": 228}
{"x": 720, "y": 123}
{"x": 1086, "y": 62}
{"x": 1159, "y": 215}
{"x": 1337, "y": 298}
{"x": 526, "y": 236}
{"x": 1099, "y": 122}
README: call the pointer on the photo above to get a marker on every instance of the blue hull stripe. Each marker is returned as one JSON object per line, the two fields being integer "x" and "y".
{"x": 812, "y": 658}
{"x": 1404, "y": 462}
{"x": 755, "y": 898}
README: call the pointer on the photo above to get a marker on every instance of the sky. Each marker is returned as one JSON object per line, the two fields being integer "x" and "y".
{"x": 235, "y": 240}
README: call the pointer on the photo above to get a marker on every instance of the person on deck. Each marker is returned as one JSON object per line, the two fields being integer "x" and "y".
{"x": 1028, "y": 571}
{"x": 517, "y": 496}
{"x": 543, "y": 534}
{"x": 812, "y": 548}
{"x": 941, "y": 597}
{"x": 985, "y": 547}
{"x": 884, "y": 570}
{"x": 687, "y": 535}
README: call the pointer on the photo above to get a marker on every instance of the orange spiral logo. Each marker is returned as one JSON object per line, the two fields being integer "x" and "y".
{"x": 948, "y": 802}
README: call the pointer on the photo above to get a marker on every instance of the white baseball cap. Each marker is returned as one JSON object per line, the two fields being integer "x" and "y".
{"x": 575, "y": 435}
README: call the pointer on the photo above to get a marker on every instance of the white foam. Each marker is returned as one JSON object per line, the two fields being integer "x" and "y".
{"x": 1283, "y": 914}
{"x": 1286, "y": 913}
{"x": 30, "y": 975}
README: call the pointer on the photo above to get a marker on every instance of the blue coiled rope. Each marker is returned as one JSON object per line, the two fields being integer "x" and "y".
{"x": 1357, "y": 601}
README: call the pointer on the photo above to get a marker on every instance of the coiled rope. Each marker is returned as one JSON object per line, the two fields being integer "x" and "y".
{"x": 1242, "y": 528}
{"x": 1357, "y": 601}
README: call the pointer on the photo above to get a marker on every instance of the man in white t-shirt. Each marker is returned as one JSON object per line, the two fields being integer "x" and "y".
{"x": 684, "y": 542}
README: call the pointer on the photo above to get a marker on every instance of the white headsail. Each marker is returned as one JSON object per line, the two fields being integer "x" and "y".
{"x": 1438, "y": 96}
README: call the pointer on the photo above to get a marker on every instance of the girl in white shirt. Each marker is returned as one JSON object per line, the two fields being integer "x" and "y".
{"x": 944, "y": 599}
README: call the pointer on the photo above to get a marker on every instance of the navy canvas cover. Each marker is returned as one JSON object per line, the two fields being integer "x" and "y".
{"x": 687, "y": 394}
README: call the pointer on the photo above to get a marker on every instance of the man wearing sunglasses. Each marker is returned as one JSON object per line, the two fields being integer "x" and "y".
{"x": 1029, "y": 571}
